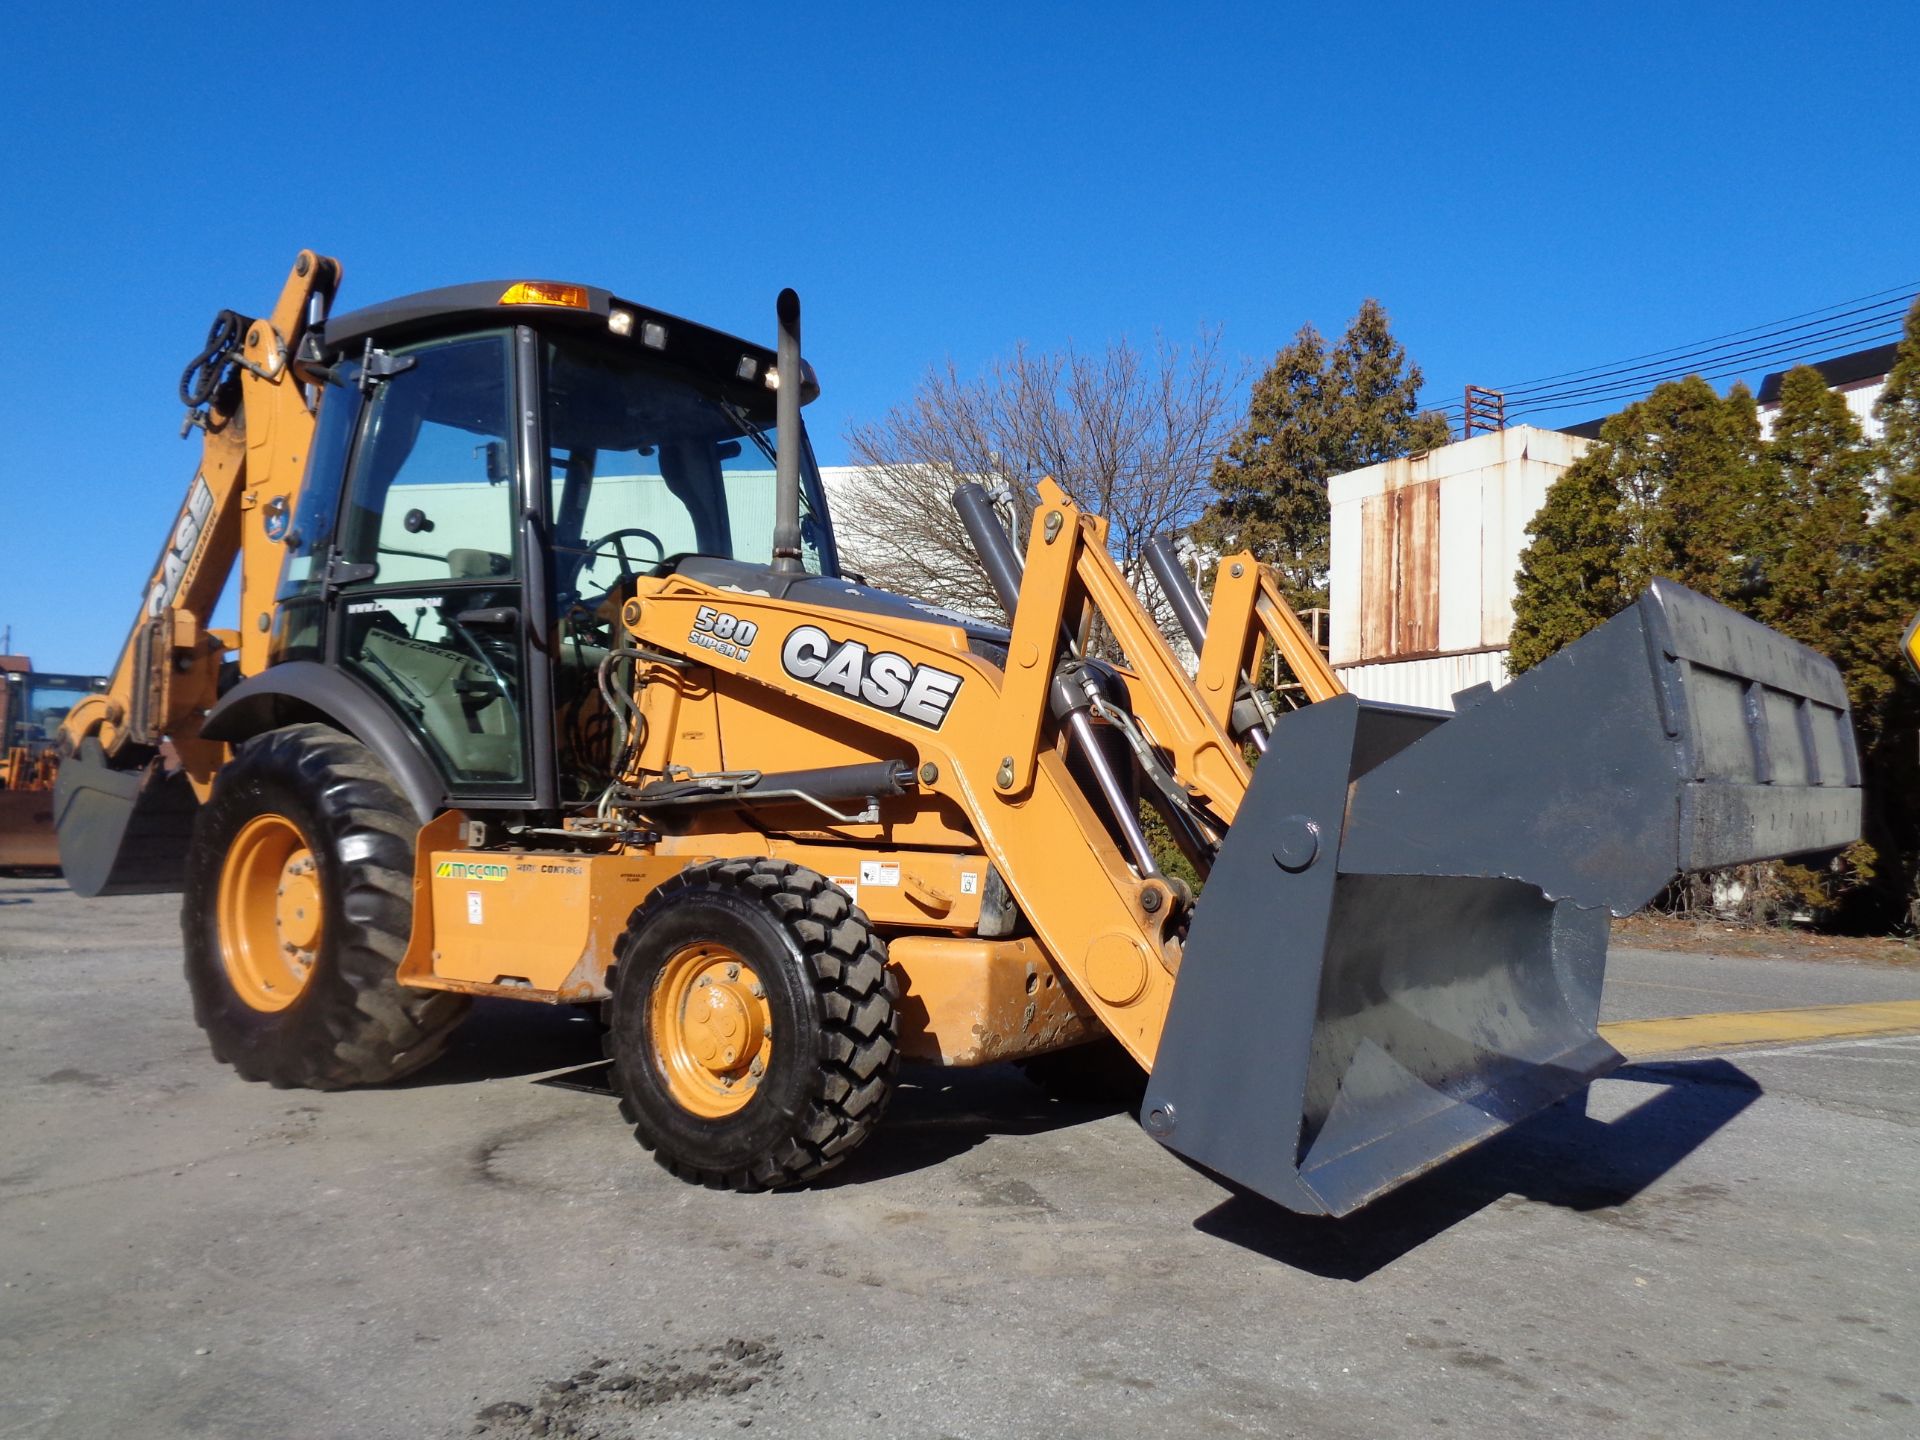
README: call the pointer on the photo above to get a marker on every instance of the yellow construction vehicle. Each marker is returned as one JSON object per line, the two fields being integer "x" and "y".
{"x": 33, "y": 703}
{"x": 547, "y": 685}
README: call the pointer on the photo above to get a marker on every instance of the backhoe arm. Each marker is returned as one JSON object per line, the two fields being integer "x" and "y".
{"x": 256, "y": 425}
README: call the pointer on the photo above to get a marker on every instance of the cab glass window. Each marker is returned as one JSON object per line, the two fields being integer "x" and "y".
{"x": 311, "y": 531}
{"x": 431, "y": 498}
{"x": 645, "y": 467}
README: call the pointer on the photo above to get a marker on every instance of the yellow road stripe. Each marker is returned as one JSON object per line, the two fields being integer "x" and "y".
{"x": 1738, "y": 1029}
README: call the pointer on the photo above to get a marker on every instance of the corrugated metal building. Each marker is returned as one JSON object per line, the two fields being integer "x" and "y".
{"x": 1424, "y": 551}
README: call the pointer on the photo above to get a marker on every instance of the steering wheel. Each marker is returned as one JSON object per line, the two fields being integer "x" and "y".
{"x": 613, "y": 538}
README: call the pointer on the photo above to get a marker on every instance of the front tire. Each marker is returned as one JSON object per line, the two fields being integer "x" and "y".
{"x": 298, "y": 906}
{"x": 753, "y": 1028}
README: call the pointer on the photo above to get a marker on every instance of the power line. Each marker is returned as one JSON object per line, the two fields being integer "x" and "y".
{"x": 1769, "y": 341}
{"x": 1757, "y": 348}
{"x": 1635, "y": 392}
{"x": 1776, "y": 352}
{"x": 1906, "y": 290}
{"x": 1817, "y": 344}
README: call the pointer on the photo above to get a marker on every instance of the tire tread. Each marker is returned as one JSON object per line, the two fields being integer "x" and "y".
{"x": 859, "y": 1000}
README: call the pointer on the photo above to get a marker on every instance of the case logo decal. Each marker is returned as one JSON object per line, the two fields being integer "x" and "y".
{"x": 182, "y": 545}
{"x": 880, "y": 678}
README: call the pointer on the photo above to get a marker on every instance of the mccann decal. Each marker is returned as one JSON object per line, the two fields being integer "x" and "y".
{"x": 879, "y": 678}
{"x": 468, "y": 870}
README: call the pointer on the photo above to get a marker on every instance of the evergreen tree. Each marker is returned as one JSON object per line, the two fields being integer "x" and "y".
{"x": 1675, "y": 487}
{"x": 1271, "y": 484}
{"x": 1815, "y": 532}
{"x": 1812, "y": 547}
{"x": 1374, "y": 412}
{"x": 1573, "y": 576}
{"x": 1885, "y": 694}
{"x": 1315, "y": 413}
{"x": 1892, "y": 585}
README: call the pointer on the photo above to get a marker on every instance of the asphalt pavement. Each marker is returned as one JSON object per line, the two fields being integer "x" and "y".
{"x": 1721, "y": 1245}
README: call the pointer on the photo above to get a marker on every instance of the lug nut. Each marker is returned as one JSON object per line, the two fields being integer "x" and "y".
{"x": 733, "y": 972}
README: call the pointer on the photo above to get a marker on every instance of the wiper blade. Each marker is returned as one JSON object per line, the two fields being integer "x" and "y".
{"x": 752, "y": 431}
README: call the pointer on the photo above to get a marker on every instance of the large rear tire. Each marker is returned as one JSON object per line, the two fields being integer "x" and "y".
{"x": 298, "y": 905}
{"x": 753, "y": 1028}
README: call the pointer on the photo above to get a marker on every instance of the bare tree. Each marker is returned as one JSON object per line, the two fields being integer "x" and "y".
{"x": 1130, "y": 435}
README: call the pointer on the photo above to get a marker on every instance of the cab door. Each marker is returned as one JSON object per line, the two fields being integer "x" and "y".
{"x": 429, "y": 568}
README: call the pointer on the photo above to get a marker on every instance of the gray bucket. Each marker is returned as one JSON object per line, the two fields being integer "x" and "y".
{"x": 122, "y": 831}
{"x": 1400, "y": 950}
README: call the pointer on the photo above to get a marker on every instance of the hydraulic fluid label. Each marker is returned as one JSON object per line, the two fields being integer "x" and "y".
{"x": 880, "y": 678}
{"x": 181, "y": 546}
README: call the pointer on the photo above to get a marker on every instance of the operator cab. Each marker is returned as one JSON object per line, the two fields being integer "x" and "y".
{"x": 493, "y": 466}
{"x": 35, "y": 703}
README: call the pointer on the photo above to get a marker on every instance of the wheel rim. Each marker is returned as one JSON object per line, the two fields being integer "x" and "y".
{"x": 270, "y": 914}
{"x": 712, "y": 1029}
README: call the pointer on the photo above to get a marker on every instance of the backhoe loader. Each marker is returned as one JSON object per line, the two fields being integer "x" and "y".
{"x": 32, "y": 705}
{"x": 548, "y": 685}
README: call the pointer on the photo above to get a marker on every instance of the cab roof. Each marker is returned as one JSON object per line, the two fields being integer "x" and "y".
{"x": 549, "y": 303}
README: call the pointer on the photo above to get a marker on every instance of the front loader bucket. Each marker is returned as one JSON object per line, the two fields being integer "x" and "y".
{"x": 1400, "y": 949}
{"x": 122, "y": 832}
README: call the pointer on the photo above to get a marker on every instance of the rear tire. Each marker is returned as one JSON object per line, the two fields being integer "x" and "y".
{"x": 309, "y": 811}
{"x": 752, "y": 1026}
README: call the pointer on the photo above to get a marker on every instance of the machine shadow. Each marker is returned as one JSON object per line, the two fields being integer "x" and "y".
{"x": 938, "y": 1114}
{"x": 935, "y": 1116}
{"x": 508, "y": 1039}
{"x": 1561, "y": 1156}
{"x": 25, "y": 896}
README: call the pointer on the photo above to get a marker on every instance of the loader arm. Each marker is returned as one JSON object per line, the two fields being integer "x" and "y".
{"x": 1249, "y": 614}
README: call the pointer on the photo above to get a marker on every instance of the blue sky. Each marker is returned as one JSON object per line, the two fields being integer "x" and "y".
{"x": 1528, "y": 188}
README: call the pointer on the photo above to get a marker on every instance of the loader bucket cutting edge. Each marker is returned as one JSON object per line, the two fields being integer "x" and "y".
{"x": 1400, "y": 950}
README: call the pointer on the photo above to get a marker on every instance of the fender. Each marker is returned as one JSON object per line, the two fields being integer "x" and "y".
{"x": 307, "y": 690}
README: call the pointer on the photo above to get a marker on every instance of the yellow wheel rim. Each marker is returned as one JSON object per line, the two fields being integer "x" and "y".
{"x": 712, "y": 1029}
{"x": 270, "y": 919}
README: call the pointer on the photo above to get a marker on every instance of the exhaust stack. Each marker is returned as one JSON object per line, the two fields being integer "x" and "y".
{"x": 786, "y": 484}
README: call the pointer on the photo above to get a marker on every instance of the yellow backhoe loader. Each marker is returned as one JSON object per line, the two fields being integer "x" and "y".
{"x": 33, "y": 703}
{"x": 548, "y": 685}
